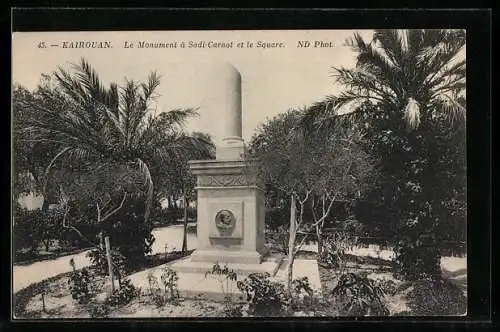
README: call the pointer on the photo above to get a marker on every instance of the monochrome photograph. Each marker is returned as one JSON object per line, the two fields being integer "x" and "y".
{"x": 239, "y": 173}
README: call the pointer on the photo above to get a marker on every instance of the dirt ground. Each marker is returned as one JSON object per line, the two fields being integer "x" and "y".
{"x": 59, "y": 304}
{"x": 187, "y": 308}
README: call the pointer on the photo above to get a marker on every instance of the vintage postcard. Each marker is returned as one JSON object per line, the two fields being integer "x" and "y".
{"x": 239, "y": 173}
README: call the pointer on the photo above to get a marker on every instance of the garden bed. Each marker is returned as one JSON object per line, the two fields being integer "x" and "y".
{"x": 21, "y": 258}
{"x": 28, "y": 301}
{"x": 439, "y": 297}
{"x": 417, "y": 298}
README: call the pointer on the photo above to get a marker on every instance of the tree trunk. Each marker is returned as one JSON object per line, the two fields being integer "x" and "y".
{"x": 44, "y": 308}
{"x": 184, "y": 240}
{"x": 34, "y": 247}
{"x": 291, "y": 244}
{"x": 319, "y": 236}
{"x": 45, "y": 204}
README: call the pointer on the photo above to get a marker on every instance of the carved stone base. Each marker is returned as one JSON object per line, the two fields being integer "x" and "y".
{"x": 199, "y": 264}
{"x": 230, "y": 212}
{"x": 226, "y": 256}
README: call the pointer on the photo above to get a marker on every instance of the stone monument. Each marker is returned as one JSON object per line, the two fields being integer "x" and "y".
{"x": 230, "y": 208}
{"x": 230, "y": 220}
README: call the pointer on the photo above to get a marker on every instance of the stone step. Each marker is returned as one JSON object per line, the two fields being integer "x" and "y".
{"x": 193, "y": 285}
{"x": 270, "y": 264}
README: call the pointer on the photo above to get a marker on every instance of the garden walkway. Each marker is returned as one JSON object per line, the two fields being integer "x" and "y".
{"x": 169, "y": 238}
{"x": 25, "y": 275}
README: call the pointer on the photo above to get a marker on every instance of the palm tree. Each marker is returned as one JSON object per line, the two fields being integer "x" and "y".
{"x": 412, "y": 75}
{"x": 408, "y": 86}
{"x": 94, "y": 124}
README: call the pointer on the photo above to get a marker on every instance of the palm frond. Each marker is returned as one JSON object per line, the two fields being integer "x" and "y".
{"x": 149, "y": 89}
{"x": 176, "y": 117}
{"x": 452, "y": 106}
{"x": 411, "y": 113}
{"x": 391, "y": 44}
{"x": 365, "y": 84}
{"x": 148, "y": 182}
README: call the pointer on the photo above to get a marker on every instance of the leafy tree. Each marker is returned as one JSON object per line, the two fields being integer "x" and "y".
{"x": 33, "y": 228}
{"x": 30, "y": 156}
{"x": 179, "y": 182}
{"x": 407, "y": 94}
{"x": 107, "y": 200}
{"x": 309, "y": 167}
{"x": 284, "y": 158}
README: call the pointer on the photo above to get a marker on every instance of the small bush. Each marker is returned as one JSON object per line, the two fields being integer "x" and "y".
{"x": 277, "y": 216}
{"x": 123, "y": 295}
{"x": 226, "y": 276}
{"x": 83, "y": 286}
{"x": 98, "y": 310}
{"x": 170, "y": 292}
{"x": 334, "y": 249}
{"x": 154, "y": 291}
{"x": 303, "y": 297}
{"x": 231, "y": 309}
{"x": 417, "y": 259}
{"x": 359, "y": 296}
{"x": 169, "y": 280}
{"x": 436, "y": 298}
{"x": 130, "y": 234}
{"x": 264, "y": 297}
{"x": 192, "y": 229}
{"x": 99, "y": 262}
{"x": 388, "y": 286}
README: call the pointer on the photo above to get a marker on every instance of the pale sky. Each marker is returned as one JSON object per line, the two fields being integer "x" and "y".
{"x": 273, "y": 80}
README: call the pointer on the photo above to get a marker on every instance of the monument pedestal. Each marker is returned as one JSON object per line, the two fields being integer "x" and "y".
{"x": 230, "y": 226}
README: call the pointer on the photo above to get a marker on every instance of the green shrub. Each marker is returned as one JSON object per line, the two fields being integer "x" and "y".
{"x": 226, "y": 276}
{"x": 123, "y": 295}
{"x": 155, "y": 292}
{"x": 35, "y": 227}
{"x": 192, "y": 229}
{"x": 436, "y": 298}
{"x": 417, "y": 258}
{"x": 388, "y": 286}
{"x": 264, "y": 296}
{"x": 333, "y": 254}
{"x": 129, "y": 233}
{"x": 169, "y": 280}
{"x": 83, "y": 285}
{"x": 99, "y": 262}
{"x": 98, "y": 310}
{"x": 303, "y": 297}
{"x": 359, "y": 296}
{"x": 277, "y": 238}
{"x": 170, "y": 292}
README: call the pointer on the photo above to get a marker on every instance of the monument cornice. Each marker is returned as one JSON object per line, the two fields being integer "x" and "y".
{"x": 226, "y": 167}
{"x": 228, "y": 187}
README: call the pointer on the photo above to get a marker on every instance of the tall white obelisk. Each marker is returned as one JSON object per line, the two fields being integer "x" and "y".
{"x": 230, "y": 209}
{"x": 232, "y": 146}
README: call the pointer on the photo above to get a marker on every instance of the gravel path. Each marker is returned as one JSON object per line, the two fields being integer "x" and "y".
{"x": 170, "y": 238}
{"x": 25, "y": 275}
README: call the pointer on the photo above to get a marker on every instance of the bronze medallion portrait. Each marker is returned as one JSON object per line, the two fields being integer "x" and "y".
{"x": 225, "y": 222}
